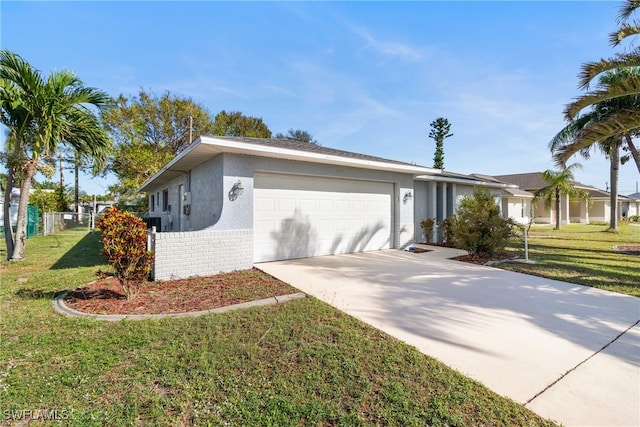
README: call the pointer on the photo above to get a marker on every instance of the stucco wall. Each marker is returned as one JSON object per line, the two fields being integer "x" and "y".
{"x": 201, "y": 253}
{"x": 512, "y": 207}
{"x": 217, "y": 236}
{"x": 238, "y": 214}
{"x": 599, "y": 211}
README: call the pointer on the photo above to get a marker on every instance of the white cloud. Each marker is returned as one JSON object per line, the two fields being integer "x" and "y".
{"x": 390, "y": 49}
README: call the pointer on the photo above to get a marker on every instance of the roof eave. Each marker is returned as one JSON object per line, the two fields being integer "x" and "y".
{"x": 218, "y": 146}
{"x": 463, "y": 181}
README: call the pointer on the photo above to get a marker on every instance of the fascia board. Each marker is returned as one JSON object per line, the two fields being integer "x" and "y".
{"x": 239, "y": 147}
{"x": 464, "y": 181}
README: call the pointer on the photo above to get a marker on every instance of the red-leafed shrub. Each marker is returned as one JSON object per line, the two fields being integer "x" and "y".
{"x": 124, "y": 239}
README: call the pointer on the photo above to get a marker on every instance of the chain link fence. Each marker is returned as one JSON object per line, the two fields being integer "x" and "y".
{"x": 57, "y": 222}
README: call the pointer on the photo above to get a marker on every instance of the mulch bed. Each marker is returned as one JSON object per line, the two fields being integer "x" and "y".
{"x": 105, "y": 296}
{"x": 628, "y": 249}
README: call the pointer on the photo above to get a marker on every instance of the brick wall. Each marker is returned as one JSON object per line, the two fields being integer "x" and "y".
{"x": 200, "y": 253}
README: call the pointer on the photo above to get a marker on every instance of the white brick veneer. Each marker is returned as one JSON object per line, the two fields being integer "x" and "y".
{"x": 201, "y": 253}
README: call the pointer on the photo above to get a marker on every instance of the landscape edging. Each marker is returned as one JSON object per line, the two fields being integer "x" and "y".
{"x": 60, "y": 307}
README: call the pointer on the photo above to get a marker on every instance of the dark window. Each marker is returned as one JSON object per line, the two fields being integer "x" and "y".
{"x": 165, "y": 200}
{"x": 152, "y": 203}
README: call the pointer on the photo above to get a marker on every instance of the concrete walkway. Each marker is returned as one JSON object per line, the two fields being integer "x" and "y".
{"x": 568, "y": 352}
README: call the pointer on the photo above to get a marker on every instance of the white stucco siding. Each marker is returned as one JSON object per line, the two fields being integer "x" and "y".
{"x": 599, "y": 211}
{"x": 421, "y": 209}
{"x": 238, "y": 214}
{"x": 516, "y": 208}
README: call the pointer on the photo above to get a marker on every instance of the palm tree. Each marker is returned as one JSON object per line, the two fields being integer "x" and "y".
{"x": 611, "y": 146}
{"x": 560, "y": 183}
{"x": 41, "y": 113}
{"x": 624, "y": 121}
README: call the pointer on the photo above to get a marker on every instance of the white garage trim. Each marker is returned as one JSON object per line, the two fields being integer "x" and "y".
{"x": 299, "y": 216}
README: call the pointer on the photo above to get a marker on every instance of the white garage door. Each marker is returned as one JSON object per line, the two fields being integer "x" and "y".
{"x": 299, "y": 216}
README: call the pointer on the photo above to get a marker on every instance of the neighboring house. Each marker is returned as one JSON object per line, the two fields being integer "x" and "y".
{"x": 596, "y": 209}
{"x": 232, "y": 202}
{"x": 515, "y": 203}
{"x": 630, "y": 205}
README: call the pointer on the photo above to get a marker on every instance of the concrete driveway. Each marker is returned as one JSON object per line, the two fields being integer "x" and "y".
{"x": 568, "y": 352}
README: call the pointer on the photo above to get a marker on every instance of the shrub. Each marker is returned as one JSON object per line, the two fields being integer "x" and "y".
{"x": 124, "y": 237}
{"x": 427, "y": 229}
{"x": 447, "y": 228}
{"x": 480, "y": 230}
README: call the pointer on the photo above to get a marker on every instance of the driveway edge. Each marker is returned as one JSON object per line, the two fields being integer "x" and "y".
{"x": 60, "y": 307}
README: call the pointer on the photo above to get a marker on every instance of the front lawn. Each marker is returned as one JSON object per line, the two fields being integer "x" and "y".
{"x": 583, "y": 254}
{"x": 300, "y": 363}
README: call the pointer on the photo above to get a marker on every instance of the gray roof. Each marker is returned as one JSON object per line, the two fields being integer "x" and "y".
{"x": 635, "y": 196}
{"x": 531, "y": 181}
{"x": 311, "y": 148}
{"x": 487, "y": 177}
{"x": 516, "y": 192}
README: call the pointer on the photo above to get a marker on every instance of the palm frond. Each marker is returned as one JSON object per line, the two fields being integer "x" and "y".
{"x": 614, "y": 126}
{"x": 628, "y": 86}
{"x": 591, "y": 70}
{"x": 627, "y": 9}
{"x": 625, "y": 30}
{"x": 570, "y": 132}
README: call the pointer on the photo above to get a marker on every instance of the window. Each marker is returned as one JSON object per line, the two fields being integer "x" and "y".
{"x": 165, "y": 200}
{"x": 152, "y": 203}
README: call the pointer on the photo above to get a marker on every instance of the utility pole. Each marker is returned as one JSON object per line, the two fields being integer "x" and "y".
{"x": 190, "y": 129}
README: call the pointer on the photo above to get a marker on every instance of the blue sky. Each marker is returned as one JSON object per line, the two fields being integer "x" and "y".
{"x": 359, "y": 76}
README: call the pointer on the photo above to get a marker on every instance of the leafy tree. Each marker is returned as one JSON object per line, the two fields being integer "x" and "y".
{"x": 479, "y": 228}
{"x": 50, "y": 196}
{"x": 621, "y": 122}
{"x": 55, "y": 199}
{"x": 298, "y": 135}
{"x": 41, "y": 113}
{"x": 559, "y": 183}
{"x": 439, "y": 132}
{"x": 235, "y": 123}
{"x": 148, "y": 131}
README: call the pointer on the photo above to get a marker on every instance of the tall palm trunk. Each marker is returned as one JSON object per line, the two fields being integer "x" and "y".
{"x": 557, "y": 209}
{"x": 8, "y": 230}
{"x": 634, "y": 151}
{"x": 21, "y": 225}
{"x": 76, "y": 186}
{"x": 614, "y": 171}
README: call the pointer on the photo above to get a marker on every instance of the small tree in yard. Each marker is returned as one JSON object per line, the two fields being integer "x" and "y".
{"x": 427, "y": 229}
{"x": 447, "y": 228}
{"x": 479, "y": 228}
{"x": 124, "y": 237}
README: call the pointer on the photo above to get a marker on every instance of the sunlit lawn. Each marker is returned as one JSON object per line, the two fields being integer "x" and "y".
{"x": 583, "y": 254}
{"x": 301, "y": 363}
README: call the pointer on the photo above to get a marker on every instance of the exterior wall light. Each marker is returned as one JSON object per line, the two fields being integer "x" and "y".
{"x": 407, "y": 196}
{"x": 236, "y": 191}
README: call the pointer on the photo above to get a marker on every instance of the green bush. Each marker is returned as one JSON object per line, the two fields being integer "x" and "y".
{"x": 480, "y": 229}
{"x": 427, "y": 229}
{"x": 447, "y": 228}
{"x": 634, "y": 218}
{"x": 124, "y": 237}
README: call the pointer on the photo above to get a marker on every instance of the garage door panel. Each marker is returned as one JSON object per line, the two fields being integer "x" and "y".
{"x": 297, "y": 216}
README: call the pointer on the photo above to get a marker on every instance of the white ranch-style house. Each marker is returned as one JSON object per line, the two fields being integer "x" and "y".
{"x": 226, "y": 203}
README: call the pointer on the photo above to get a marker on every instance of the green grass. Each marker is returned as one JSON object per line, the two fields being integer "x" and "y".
{"x": 582, "y": 254}
{"x": 301, "y": 363}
